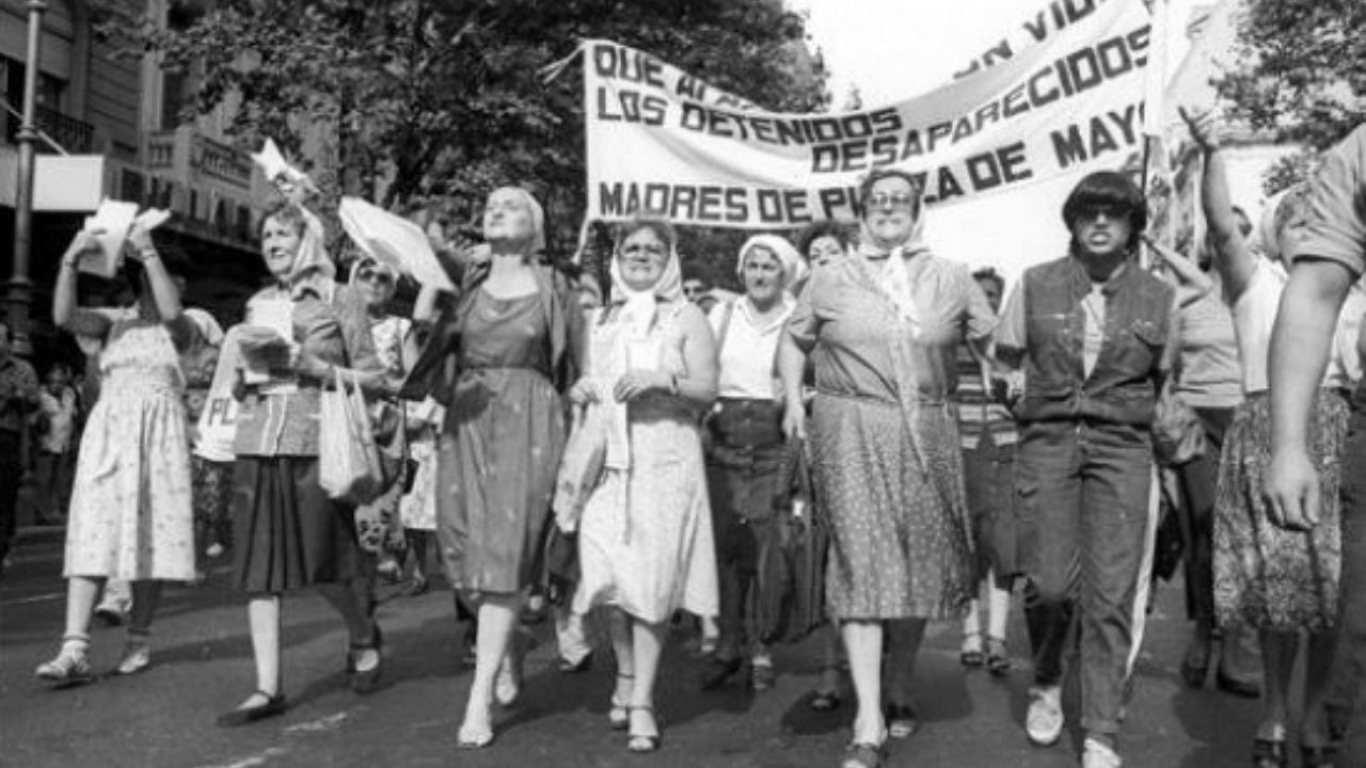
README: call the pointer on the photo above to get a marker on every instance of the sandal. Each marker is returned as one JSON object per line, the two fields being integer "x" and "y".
{"x": 470, "y": 738}
{"x": 643, "y": 742}
{"x": 998, "y": 657}
{"x": 762, "y": 677}
{"x": 619, "y": 714}
{"x": 137, "y": 656}
{"x": 971, "y": 655}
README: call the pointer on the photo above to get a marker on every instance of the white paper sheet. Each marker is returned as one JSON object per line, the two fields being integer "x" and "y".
{"x": 393, "y": 240}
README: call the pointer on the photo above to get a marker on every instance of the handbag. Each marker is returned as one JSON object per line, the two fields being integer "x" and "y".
{"x": 792, "y": 557}
{"x": 1178, "y": 435}
{"x": 349, "y": 466}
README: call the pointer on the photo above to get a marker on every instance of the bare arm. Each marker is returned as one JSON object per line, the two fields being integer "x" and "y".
{"x": 140, "y": 248}
{"x": 791, "y": 370}
{"x": 1232, "y": 256}
{"x": 1300, "y": 347}
{"x": 65, "y": 312}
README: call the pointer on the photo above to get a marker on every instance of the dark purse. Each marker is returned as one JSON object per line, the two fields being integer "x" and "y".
{"x": 1178, "y": 435}
{"x": 561, "y": 565}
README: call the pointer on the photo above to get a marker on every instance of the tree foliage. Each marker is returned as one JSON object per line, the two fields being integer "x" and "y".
{"x": 1301, "y": 74}
{"x": 409, "y": 101}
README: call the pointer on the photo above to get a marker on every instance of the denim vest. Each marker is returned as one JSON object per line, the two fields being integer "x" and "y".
{"x": 1122, "y": 387}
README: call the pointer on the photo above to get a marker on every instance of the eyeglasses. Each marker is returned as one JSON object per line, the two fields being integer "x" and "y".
{"x": 371, "y": 275}
{"x": 895, "y": 201}
{"x": 1108, "y": 210}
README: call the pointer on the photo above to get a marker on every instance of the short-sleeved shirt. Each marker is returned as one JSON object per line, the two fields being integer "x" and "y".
{"x": 1336, "y": 225}
{"x": 1209, "y": 373}
{"x": 1012, "y": 331}
{"x": 847, "y": 323}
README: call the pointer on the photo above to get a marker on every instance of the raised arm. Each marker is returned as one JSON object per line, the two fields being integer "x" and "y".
{"x": 139, "y": 247}
{"x": 1232, "y": 256}
{"x": 65, "y": 312}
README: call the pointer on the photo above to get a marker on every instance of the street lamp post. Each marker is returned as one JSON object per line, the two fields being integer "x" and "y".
{"x": 20, "y": 288}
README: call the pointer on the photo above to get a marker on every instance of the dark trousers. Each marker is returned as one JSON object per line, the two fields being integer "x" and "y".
{"x": 1199, "y": 483}
{"x": 1083, "y": 491}
{"x": 11, "y": 476}
{"x": 1353, "y": 619}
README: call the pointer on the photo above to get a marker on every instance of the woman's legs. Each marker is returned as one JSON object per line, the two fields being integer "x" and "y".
{"x": 417, "y": 545}
{"x": 863, "y": 643}
{"x": 647, "y": 644}
{"x": 1278, "y": 660}
{"x": 497, "y": 619}
{"x": 830, "y": 664}
{"x": 263, "y": 616}
{"x": 904, "y": 637}
{"x": 1318, "y": 685}
{"x": 354, "y": 601}
{"x": 81, "y": 592}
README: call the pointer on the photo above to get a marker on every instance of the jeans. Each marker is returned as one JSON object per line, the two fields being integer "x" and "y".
{"x": 1083, "y": 490}
{"x": 1353, "y": 596}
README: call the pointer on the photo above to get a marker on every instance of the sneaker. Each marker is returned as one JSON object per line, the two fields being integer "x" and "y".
{"x": 1043, "y": 721}
{"x": 69, "y": 668}
{"x": 1098, "y": 754}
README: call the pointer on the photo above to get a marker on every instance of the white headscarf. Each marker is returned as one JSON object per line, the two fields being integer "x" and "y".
{"x": 794, "y": 266}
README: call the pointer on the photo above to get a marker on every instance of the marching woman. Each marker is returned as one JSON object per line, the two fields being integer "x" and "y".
{"x": 515, "y": 333}
{"x": 882, "y": 326}
{"x": 288, "y": 533}
{"x": 747, "y": 448}
{"x": 130, "y": 512}
{"x": 645, "y": 537}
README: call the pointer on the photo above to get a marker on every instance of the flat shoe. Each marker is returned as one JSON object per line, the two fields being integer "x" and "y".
{"x": 137, "y": 657}
{"x": 902, "y": 721}
{"x": 274, "y": 705}
{"x": 998, "y": 658}
{"x": 66, "y": 670}
{"x": 642, "y": 743}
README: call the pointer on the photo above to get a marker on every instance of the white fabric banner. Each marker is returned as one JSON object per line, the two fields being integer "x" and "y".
{"x": 1059, "y": 97}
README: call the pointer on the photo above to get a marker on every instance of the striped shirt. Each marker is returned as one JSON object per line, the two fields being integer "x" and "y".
{"x": 978, "y": 413}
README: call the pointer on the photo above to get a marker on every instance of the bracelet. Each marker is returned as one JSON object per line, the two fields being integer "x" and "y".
{"x": 149, "y": 254}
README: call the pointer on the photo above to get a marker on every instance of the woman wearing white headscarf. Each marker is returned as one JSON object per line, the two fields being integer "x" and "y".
{"x": 288, "y": 533}
{"x": 882, "y": 327}
{"x": 747, "y": 447}
{"x": 645, "y": 537}
{"x": 515, "y": 332}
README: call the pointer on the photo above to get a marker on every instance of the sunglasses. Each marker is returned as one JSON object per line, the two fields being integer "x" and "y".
{"x": 371, "y": 275}
{"x": 1108, "y": 210}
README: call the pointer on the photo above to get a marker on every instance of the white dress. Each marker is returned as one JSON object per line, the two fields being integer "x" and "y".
{"x": 130, "y": 514}
{"x": 645, "y": 537}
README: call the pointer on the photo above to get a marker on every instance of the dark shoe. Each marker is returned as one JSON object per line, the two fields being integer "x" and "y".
{"x": 574, "y": 667}
{"x": 998, "y": 657}
{"x": 366, "y": 681}
{"x": 1244, "y": 688}
{"x": 902, "y": 721}
{"x": 718, "y": 671}
{"x": 274, "y": 705}
{"x": 824, "y": 701}
{"x": 416, "y": 586}
{"x": 1267, "y": 753}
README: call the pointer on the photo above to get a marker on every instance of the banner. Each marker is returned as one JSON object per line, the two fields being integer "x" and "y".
{"x": 1059, "y": 97}
{"x": 217, "y": 427}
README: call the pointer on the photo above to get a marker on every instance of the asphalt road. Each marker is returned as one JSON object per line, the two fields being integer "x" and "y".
{"x": 202, "y": 666}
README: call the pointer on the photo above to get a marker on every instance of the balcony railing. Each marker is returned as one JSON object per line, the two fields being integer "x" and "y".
{"x": 222, "y": 162}
{"x": 74, "y": 136}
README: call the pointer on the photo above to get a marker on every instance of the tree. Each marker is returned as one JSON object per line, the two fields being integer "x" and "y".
{"x": 1301, "y": 75}
{"x": 408, "y": 101}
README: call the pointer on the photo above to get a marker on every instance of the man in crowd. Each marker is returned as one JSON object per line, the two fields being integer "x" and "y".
{"x": 1329, "y": 254}
{"x": 18, "y": 399}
